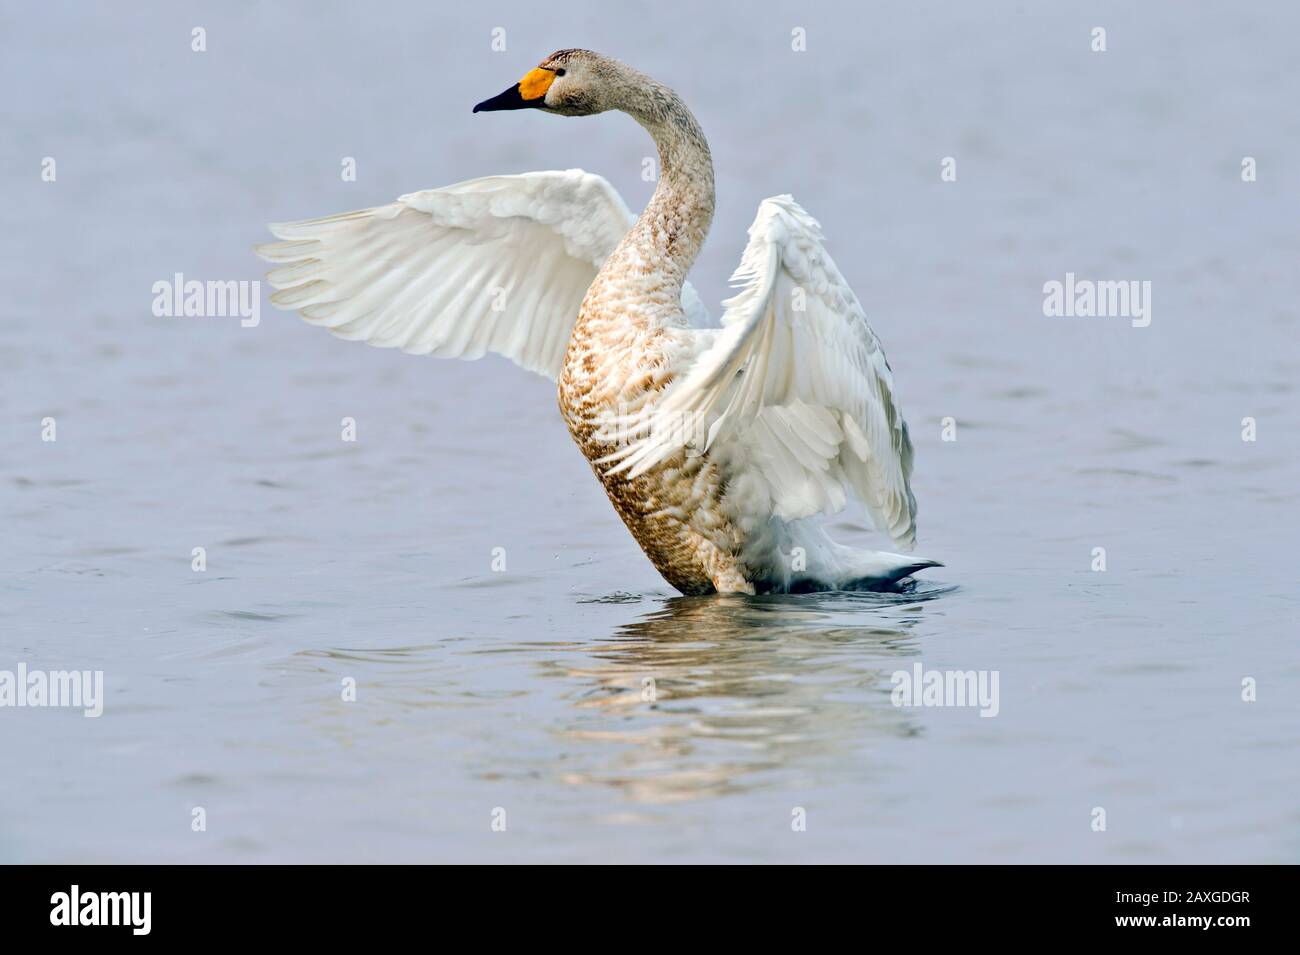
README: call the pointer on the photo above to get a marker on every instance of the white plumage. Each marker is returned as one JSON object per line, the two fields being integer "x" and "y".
{"x": 498, "y": 264}
{"x": 795, "y": 388}
{"x": 716, "y": 445}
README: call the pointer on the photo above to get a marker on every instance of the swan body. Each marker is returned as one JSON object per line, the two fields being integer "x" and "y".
{"x": 718, "y": 447}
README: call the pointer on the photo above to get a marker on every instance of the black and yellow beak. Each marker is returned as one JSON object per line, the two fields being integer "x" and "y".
{"x": 528, "y": 92}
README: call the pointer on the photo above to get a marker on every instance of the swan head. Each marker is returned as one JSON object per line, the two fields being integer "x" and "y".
{"x": 568, "y": 83}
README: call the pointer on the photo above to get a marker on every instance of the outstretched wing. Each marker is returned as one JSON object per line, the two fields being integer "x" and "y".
{"x": 499, "y": 264}
{"x": 793, "y": 394}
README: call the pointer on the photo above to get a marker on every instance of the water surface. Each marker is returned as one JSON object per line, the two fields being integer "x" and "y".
{"x": 526, "y": 690}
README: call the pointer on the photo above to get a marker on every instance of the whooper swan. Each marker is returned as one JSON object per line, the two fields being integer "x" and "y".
{"x": 719, "y": 447}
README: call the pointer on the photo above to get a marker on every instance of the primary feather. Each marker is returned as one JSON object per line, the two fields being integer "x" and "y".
{"x": 498, "y": 264}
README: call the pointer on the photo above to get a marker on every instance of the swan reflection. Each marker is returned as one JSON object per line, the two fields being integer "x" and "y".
{"x": 705, "y": 695}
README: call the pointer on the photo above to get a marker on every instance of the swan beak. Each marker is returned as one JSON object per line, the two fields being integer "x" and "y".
{"x": 528, "y": 92}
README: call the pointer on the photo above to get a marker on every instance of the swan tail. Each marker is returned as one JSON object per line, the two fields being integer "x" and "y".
{"x": 812, "y": 561}
{"x": 882, "y": 568}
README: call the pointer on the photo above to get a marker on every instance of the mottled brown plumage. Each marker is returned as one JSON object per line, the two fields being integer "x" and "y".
{"x": 628, "y": 337}
{"x": 717, "y": 446}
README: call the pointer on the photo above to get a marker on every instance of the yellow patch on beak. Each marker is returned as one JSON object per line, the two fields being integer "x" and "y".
{"x": 536, "y": 83}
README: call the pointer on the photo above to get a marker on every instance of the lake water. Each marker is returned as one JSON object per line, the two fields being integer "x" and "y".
{"x": 525, "y": 691}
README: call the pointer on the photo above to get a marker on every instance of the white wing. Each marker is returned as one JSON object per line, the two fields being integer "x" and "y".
{"x": 499, "y": 264}
{"x": 794, "y": 390}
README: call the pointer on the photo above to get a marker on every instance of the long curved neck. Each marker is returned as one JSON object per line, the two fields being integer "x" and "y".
{"x": 670, "y": 231}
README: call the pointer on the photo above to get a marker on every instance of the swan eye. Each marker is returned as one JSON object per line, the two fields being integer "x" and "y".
{"x": 560, "y": 71}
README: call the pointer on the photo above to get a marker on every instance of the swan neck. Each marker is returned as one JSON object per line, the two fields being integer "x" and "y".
{"x": 671, "y": 229}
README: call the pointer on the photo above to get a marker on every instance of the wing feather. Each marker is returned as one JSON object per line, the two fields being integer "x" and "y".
{"x": 499, "y": 264}
{"x": 794, "y": 389}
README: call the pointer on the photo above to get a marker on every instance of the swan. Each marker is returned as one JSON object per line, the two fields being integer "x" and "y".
{"x": 719, "y": 447}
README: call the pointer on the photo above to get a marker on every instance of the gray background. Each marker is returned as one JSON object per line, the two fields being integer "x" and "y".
{"x": 522, "y": 690}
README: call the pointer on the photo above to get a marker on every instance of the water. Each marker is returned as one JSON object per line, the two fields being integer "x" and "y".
{"x": 525, "y": 690}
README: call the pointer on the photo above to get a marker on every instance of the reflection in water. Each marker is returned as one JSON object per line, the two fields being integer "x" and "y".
{"x": 711, "y": 695}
